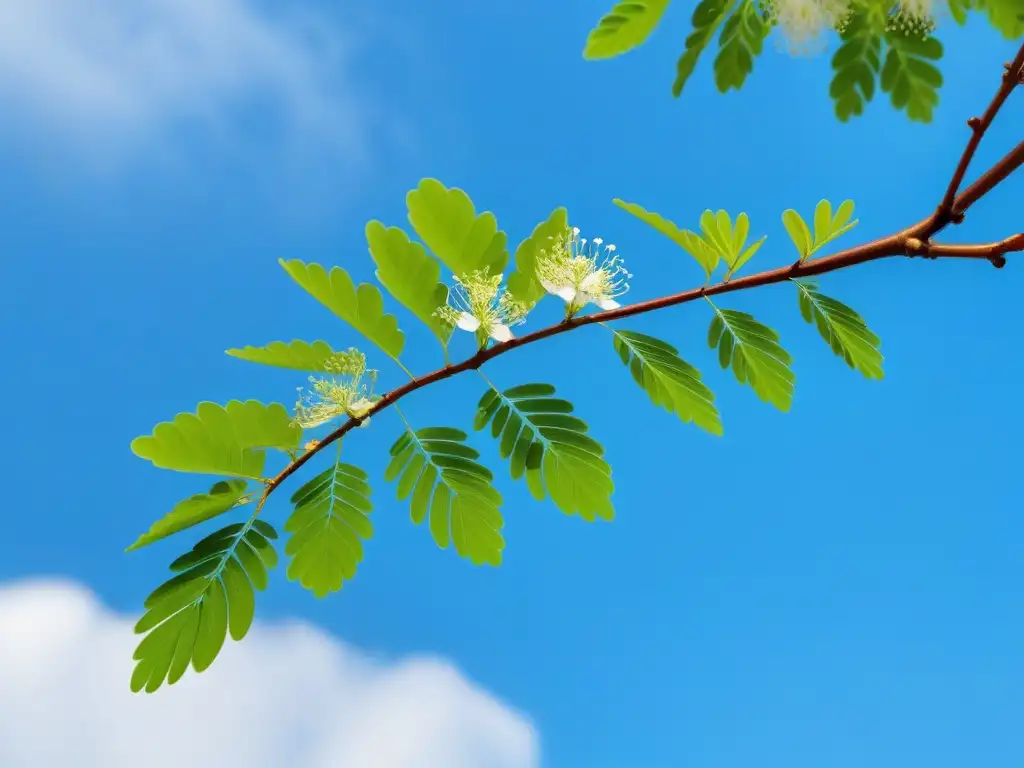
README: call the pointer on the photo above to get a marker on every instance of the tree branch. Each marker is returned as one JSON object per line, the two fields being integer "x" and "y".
{"x": 912, "y": 241}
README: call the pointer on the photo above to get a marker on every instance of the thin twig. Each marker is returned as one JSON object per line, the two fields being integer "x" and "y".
{"x": 912, "y": 241}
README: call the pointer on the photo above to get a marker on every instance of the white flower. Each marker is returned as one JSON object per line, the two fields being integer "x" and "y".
{"x": 580, "y": 275}
{"x": 804, "y": 22}
{"x": 477, "y": 307}
{"x": 346, "y": 391}
{"x": 917, "y": 18}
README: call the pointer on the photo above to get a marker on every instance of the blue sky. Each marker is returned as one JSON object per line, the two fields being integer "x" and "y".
{"x": 837, "y": 586}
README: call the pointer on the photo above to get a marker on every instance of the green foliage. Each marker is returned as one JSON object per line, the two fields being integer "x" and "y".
{"x": 857, "y": 63}
{"x": 689, "y": 241}
{"x": 440, "y": 475}
{"x": 223, "y": 496}
{"x": 827, "y": 226}
{"x": 410, "y": 275}
{"x": 1007, "y": 16}
{"x": 728, "y": 240}
{"x": 842, "y": 329}
{"x": 908, "y": 75}
{"x": 189, "y": 616}
{"x": 550, "y": 447}
{"x": 523, "y": 284}
{"x": 447, "y": 223}
{"x": 328, "y": 526}
{"x": 298, "y": 355}
{"x": 626, "y": 27}
{"x": 362, "y": 307}
{"x": 741, "y": 42}
{"x": 668, "y": 380}
{"x": 755, "y": 355}
{"x": 220, "y": 440}
{"x": 707, "y": 18}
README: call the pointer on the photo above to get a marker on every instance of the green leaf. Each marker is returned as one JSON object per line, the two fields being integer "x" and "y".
{"x": 523, "y": 284}
{"x": 410, "y": 275}
{"x": 440, "y": 475}
{"x": 362, "y": 307}
{"x": 670, "y": 382}
{"x": 550, "y": 448}
{"x": 842, "y": 329}
{"x": 857, "y": 63}
{"x": 728, "y": 240}
{"x": 222, "y": 497}
{"x": 328, "y": 527}
{"x": 189, "y": 616}
{"x": 741, "y": 41}
{"x": 707, "y": 18}
{"x": 908, "y": 75}
{"x": 755, "y": 355}
{"x": 297, "y": 355}
{"x": 628, "y": 25}
{"x": 220, "y": 440}
{"x": 447, "y": 223}
{"x": 1007, "y": 16}
{"x": 827, "y": 227}
{"x": 692, "y": 243}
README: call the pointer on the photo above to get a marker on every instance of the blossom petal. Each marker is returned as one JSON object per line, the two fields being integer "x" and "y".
{"x": 501, "y": 333}
{"x": 607, "y": 303}
{"x": 467, "y": 322}
{"x": 566, "y": 293}
{"x": 365, "y": 422}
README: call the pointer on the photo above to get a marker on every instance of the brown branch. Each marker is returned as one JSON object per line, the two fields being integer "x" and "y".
{"x": 912, "y": 241}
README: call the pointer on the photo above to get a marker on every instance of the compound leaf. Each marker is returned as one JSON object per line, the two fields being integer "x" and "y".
{"x": 690, "y": 242}
{"x": 728, "y": 239}
{"x": 741, "y": 41}
{"x": 523, "y": 284}
{"x": 448, "y": 224}
{"x": 827, "y": 226}
{"x": 550, "y": 448}
{"x": 220, "y": 440}
{"x": 753, "y": 351}
{"x": 908, "y": 75}
{"x": 297, "y": 355}
{"x": 189, "y": 616}
{"x": 194, "y": 510}
{"x": 842, "y": 328}
{"x": 362, "y": 307}
{"x": 440, "y": 475}
{"x": 670, "y": 382}
{"x": 328, "y": 526}
{"x": 627, "y": 26}
{"x": 707, "y": 18}
{"x": 410, "y": 275}
{"x": 857, "y": 63}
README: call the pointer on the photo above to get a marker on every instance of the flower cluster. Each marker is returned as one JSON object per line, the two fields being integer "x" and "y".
{"x": 347, "y": 390}
{"x": 478, "y": 305}
{"x": 580, "y": 274}
{"x": 803, "y": 23}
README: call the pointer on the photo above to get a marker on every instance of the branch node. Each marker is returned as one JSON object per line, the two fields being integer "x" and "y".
{"x": 974, "y": 123}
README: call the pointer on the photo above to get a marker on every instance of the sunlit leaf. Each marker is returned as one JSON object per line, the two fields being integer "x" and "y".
{"x": 705, "y": 255}
{"x": 550, "y": 448}
{"x": 328, "y": 526}
{"x": 298, "y": 355}
{"x": 189, "y": 617}
{"x": 668, "y": 380}
{"x": 220, "y": 440}
{"x": 842, "y": 328}
{"x": 857, "y": 63}
{"x": 827, "y": 226}
{"x": 908, "y": 75}
{"x": 729, "y": 240}
{"x": 523, "y": 284}
{"x": 628, "y": 25}
{"x": 410, "y": 275}
{"x": 753, "y": 351}
{"x": 446, "y": 486}
{"x": 222, "y": 497}
{"x": 362, "y": 307}
{"x": 448, "y": 224}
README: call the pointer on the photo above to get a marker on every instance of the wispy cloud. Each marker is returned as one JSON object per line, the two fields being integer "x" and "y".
{"x": 287, "y": 695}
{"x": 102, "y": 78}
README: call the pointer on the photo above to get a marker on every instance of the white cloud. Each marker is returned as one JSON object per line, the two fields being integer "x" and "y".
{"x": 111, "y": 75}
{"x": 287, "y": 695}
